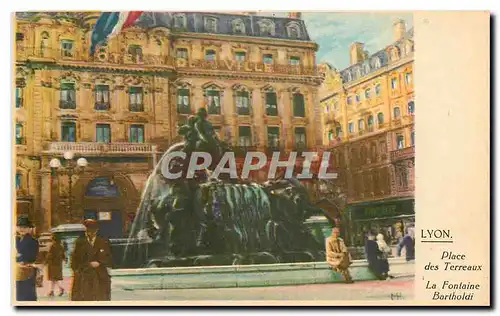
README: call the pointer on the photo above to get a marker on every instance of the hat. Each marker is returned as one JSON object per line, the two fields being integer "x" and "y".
{"x": 23, "y": 221}
{"x": 89, "y": 220}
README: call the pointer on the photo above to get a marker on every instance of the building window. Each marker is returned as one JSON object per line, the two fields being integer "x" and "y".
{"x": 240, "y": 56}
{"x": 101, "y": 97}
{"x": 242, "y": 103}
{"x": 66, "y": 48}
{"x": 244, "y": 136}
{"x": 397, "y": 113}
{"x": 179, "y": 21}
{"x": 273, "y": 136}
{"x": 300, "y": 138}
{"x": 400, "y": 141}
{"x": 210, "y": 25}
{"x": 213, "y": 102}
{"x": 19, "y": 36}
{"x": 412, "y": 138}
{"x": 394, "y": 82}
{"x": 210, "y": 55}
{"x": 408, "y": 78}
{"x": 136, "y": 53}
{"x": 68, "y": 132}
{"x": 298, "y": 105}
{"x": 181, "y": 53}
{"x": 19, "y": 134}
{"x": 136, "y": 133}
{"x": 67, "y": 99}
{"x": 358, "y": 97}
{"x": 19, "y": 97}
{"x": 238, "y": 27}
{"x": 266, "y": 28}
{"x": 411, "y": 107}
{"x": 361, "y": 125}
{"x": 271, "y": 104}
{"x": 377, "y": 89}
{"x": 102, "y": 133}
{"x": 349, "y": 100}
{"x": 369, "y": 122}
{"x": 294, "y": 61}
{"x": 350, "y": 127}
{"x": 380, "y": 118}
{"x": 338, "y": 131}
{"x": 18, "y": 180}
{"x": 367, "y": 93}
{"x": 183, "y": 106}
{"x": 267, "y": 58}
{"x": 135, "y": 99}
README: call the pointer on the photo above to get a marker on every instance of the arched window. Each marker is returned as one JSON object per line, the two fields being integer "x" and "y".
{"x": 411, "y": 107}
{"x": 380, "y": 118}
{"x": 377, "y": 63}
{"x": 397, "y": 113}
{"x": 369, "y": 122}
{"x": 367, "y": 93}
{"x": 210, "y": 25}
{"x": 180, "y": 21}
{"x": 361, "y": 125}
{"x": 358, "y": 73}
{"x": 44, "y": 43}
{"x": 242, "y": 100}
{"x": 266, "y": 28}
{"x": 348, "y": 76}
{"x": 238, "y": 26}
{"x": 213, "y": 96}
{"x": 298, "y": 105}
{"x": 293, "y": 30}
{"x": 366, "y": 68}
{"x": 183, "y": 106}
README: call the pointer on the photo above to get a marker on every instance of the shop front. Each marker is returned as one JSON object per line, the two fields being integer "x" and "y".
{"x": 392, "y": 218}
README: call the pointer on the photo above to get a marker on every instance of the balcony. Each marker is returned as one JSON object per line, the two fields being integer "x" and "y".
{"x": 64, "y": 104}
{"x": 136, "y": 107}
{"x": 101, "y": 106}
{"x": 99, "y": 149}
{"x": 404, "y": 153}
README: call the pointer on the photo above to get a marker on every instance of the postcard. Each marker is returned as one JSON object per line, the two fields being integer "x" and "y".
{"x": 251, "y": 158}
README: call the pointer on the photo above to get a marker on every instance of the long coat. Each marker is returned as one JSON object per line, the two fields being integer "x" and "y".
{"x": 27, "y": 251}
{"x": 91, "y": 284}
{"x": 374, "y": 256}
{"x": 54, "y": 260}
{"x": 337, "y": 254}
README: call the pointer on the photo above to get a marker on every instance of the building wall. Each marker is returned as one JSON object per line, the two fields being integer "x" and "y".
{"x": 42, "y": 67}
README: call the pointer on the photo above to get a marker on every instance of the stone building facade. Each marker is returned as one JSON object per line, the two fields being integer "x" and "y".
{"x": 368, "y": 120}
{"x": 120, "y": 107}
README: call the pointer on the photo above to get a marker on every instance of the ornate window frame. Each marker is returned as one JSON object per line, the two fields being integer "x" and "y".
{"x": 266, "y": 24}
{"x": 242, "y": 88}
{"x": 235, "y": 23}
{"x": 293, "y": 26}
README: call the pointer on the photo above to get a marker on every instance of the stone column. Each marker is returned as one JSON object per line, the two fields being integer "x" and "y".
{"x": 46, "y": 199}
{"x": 258, "y": 108}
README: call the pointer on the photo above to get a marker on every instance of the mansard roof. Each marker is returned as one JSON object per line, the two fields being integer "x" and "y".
{"x": 375, "y": 61}
{"x": 195, "y": 22}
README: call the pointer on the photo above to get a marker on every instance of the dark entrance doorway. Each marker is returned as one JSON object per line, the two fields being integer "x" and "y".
{"x": 103, "y": 202}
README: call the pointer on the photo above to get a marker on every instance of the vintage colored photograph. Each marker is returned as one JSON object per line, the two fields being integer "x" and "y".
{"x": 213, "y": 156}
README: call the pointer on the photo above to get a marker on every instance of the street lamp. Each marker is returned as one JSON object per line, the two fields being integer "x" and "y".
{"x": 71, "y": 167}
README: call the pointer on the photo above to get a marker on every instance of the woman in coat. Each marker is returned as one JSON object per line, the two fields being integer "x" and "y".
{"x": 54, "y": 261}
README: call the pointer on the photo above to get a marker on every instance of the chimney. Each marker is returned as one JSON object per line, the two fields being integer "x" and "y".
{"x": 294, "y": 15}
{"x": 357, "y": 53}
{"x": 398, "y": 29}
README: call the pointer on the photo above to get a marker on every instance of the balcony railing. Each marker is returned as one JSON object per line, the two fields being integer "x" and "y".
{"x": 91, "y": 148}
{"x": 63, "y": 104}
{"x": 404, "y": 153}
{"x": 136, "y": 107}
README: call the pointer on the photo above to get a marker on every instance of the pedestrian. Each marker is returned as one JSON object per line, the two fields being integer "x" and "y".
{"x": 90, "y": 261}
{"x": 373, "y": 256}
{"x": 407, "y": 242}
{"x": 55, "y": 258}
{"x": 337, "y": 255}
{"x": 385, "y": 250}
{"x": 27, "y": 252}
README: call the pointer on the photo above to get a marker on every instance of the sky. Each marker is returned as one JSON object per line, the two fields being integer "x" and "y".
{"x": 334, "y": 32}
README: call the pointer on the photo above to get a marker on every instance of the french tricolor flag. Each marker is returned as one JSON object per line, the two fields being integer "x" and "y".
{"x": 110, "y": 24}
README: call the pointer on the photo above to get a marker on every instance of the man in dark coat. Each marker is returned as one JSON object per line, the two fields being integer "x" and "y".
{"x": 90, "y": 261}
{"x": 27, "y": 251}
{"x": 373, "y": 255}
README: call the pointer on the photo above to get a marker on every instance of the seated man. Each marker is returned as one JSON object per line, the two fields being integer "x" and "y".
{"x": 337, "y": 255}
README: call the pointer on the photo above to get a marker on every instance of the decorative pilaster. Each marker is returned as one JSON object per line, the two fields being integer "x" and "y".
{"x": 45, "y": 214}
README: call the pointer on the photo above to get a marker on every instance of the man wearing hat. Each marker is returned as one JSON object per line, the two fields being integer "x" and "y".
{"x": 27, "y": 251}
{"x": 90, "y": 261}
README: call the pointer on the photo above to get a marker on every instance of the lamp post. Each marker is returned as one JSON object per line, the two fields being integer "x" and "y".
{"x": 71, "y": 168}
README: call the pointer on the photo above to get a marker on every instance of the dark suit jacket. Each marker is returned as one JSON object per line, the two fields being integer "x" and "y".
{"x": 91, "y": 284}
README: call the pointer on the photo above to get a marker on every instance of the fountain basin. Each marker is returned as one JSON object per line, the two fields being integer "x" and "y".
{"x": 246, "y": 275}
